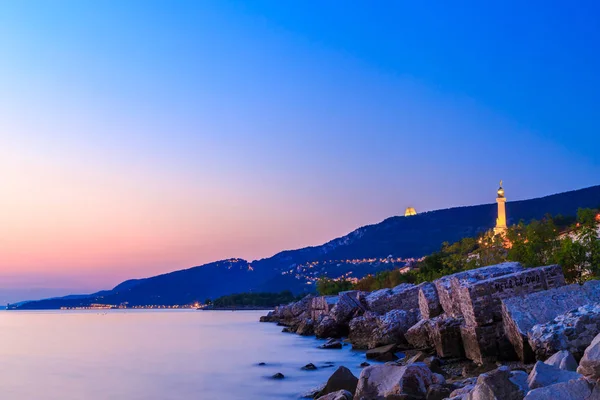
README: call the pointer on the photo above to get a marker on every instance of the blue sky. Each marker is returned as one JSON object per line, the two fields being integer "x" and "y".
{"x": 181, "y": 132}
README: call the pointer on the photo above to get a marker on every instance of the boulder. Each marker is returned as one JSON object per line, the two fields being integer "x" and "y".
{"x": 445, "y": 336}
{"x": 383, "y": 353}
{"x": 481, "y": 344}
{"x": 301, "y": 306}
{"x": 438, "y": 392}
{"x": 309, "y": 367}
{"x": 563, "y": 360}
{"x": 278, "y": 375}
{"x": 480, "y": 302}
{"x": 571, "y": 390}
{"x": 545, "y": 375}
{"x": 361, "y": 330}
{"x": 328, "y": 327}
{"x": 589, "y": 365}
{"x": 418, "y": 335}
{"x": 306, "y": 327}
{"x": 372, "y": 330}
{"x": 447, "y": 286}
{"x": 341, "y": 379}
{"x": 349, "y": 305}
{"x": 270, "y": 317}
{"x": 417, "y": 357}
{"x": 393, "y": 382}
{"x": 462, "y": 393}
{"x": 321, "y": 306}
{"x": 521, "y": 313}
{"x": 331, "y": 344}
{"x": 429, "y": 302}
{"x": 572, "y": 331}
{"x": 498, "y": 385}
{"x": 402, "y": 297}
{"x": 339, "y": 395}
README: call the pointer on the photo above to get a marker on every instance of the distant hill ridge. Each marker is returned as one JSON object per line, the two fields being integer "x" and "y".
{"x": 400, "y": 237}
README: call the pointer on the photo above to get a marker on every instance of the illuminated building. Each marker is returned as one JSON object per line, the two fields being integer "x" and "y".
{"x": 410, "y": 211}
{"x": 500, "y": 228}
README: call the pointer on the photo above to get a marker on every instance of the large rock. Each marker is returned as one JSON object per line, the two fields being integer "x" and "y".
{"x": 328, "y": 328}
{"x": 446, "y": 336}
{"x": 402, "y": 297}
{"x": 438, "y": 392}
{"x": 480, "y": 302}
{"x": 486, "y": 343}
{"x": 573, "y": 331}
{"x": 349, "y": 305}
{"x": 572, "y": 390}
{"x": 306, "y": 327}
{"x": 521, "y": 313}
{"x": 563, "y": 360}
{"x": 335, "y": 324}
{"x": 462, "y": 393}
{"x": 270, "y": 317}
{"x": 341, "y": 379}
{"x": 418, "y": 335}
{"x": 590, "y": 362}
{"x": 499, "y": 384}
{"x": 447, "y": 286}
{"x": 339, "y": 395}
{"x": 393, "y": 382}
{"x": 321, "y": 306}
{"x": 383, "y": 353}
{"x": 371, "y": 330}
{"x": 546, "y": 375}
{"x": 429, "y": 302}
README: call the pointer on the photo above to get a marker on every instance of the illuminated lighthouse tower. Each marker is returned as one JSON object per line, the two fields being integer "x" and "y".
{"x": 500, "y": 228}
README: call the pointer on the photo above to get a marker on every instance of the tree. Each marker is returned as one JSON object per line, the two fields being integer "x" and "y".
{"x": 326, "y": 286}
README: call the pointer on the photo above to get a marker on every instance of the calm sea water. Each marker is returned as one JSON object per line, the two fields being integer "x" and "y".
{"x": 156, "y": 355}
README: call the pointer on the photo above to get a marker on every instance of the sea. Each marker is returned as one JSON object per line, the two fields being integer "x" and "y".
{"x": 158, "y": 355}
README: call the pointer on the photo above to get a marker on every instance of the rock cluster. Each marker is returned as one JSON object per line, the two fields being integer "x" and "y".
{"x": 501, "y": 314}
{"x": 572, "y": 331}
{"x": 521, "y": 313}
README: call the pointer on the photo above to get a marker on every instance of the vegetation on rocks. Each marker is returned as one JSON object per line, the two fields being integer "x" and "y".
{"x": 571, "y": 242}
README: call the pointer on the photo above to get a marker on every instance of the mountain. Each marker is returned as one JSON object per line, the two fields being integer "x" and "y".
{"x": 366, "y": 250}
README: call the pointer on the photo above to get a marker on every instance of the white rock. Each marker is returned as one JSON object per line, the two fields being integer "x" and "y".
{"x": 563, "y": 360}
{"x": 572, "y": 390}
{"x": 545, "y": 375}
{"x": 589, "y": 366}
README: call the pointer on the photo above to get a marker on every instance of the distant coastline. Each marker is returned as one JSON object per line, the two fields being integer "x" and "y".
{"x": 236, "y": 308}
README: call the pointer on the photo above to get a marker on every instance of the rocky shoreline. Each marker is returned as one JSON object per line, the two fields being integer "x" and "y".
{"x": 497, "y": 332}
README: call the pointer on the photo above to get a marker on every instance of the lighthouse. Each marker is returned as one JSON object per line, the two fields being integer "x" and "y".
{"x": 500, "y": 228}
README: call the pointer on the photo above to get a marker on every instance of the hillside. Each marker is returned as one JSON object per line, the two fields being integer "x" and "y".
{"x": 363, "y": 251}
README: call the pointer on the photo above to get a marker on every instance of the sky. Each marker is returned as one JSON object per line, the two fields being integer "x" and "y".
{"x": 141, "y": 137}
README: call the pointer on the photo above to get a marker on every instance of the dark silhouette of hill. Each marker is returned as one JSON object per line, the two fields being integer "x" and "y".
{"x": 404, "y": 237}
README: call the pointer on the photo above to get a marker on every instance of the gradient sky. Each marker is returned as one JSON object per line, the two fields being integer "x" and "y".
{"x": 140, "y": 137}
